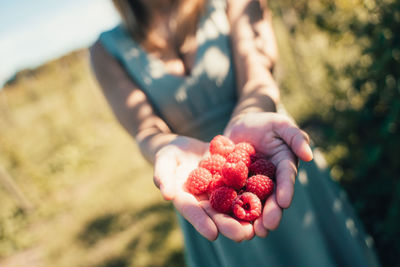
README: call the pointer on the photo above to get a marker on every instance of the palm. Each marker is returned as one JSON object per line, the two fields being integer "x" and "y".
{"x": 274, "y": 135}
{"x": 172, "y": 166}
{"x": 281, "y": 140}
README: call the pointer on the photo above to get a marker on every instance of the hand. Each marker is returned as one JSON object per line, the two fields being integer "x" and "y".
{"x": 171, "y": 168}
{"x": 281, "y": 140}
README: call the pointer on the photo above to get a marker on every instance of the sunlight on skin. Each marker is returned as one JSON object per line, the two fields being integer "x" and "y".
{"x": 171, "y": 170}
{"x": 172, "y": 166}
{"x": 189, "y": 207}
{"x": 272, "y": 134}
{"x": 163, "y": 170}
{"x": 281, "y": 140}
{"x": 228, "y": 226}
{"x": 272, "y": 213}
{"x": 259, "y": 229}
{"x": 285, "y": 178}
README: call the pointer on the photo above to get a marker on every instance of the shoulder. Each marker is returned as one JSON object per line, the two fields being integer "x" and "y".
{"x": 98, "y": 53}
{"x": 100, "y": 59}
{"x": 110, "y": 44}
{"x": 107, "y": 44}
{"x": 108, "y": 71}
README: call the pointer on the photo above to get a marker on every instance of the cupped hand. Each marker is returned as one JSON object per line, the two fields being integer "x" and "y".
{"x": 282, "y": 141}
{"x": 172, "y": 165}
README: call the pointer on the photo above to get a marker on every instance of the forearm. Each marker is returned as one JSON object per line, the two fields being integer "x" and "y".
{"x": 129, "y": 104}
{"x": 256, "y": 97}
{"x": 255, "y": 53}
{"x": 151, "y": 142}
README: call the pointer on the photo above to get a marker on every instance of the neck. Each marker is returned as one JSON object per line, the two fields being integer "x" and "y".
{"x": 171, "y": 22}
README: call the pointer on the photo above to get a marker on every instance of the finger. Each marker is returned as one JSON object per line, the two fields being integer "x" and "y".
{"x": 297, "y": 140}
{"x": 286, "y": 171}
{"x": 248, "y": 229}
{"x": 259, "y": 228}
{"x": 228, "y": 226}
{"x": 302, "y": 146}
{"x": 190, "y": 209}
{"x": 164, "y": 174}
{"x": 272, "y": 213}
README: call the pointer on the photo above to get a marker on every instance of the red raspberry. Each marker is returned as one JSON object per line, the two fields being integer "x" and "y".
{"x": 260, "y": 185}
{"x": 216, "y": 182}
{"x": 249, "y": 148}
{"x": 247, "y": 206}
{"x": 235, "y": 174}
{"x": 222, "y": 199}
{"x": 256, "y": 156}
{"x": 239, "y": 155}
{"x": 221, "y": 145}
{"x": 198, "y": 181}
{"x": 213, "y": 163}
{"x": 264, "y": 167}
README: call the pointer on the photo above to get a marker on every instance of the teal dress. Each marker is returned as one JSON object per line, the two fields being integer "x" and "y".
{"x": 319, "y": 229}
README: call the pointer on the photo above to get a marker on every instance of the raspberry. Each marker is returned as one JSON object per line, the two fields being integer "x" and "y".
{"x": 239, "y": 155}
{"x": 247, "y": 206}
{"x": 221, "y": 145}
{"x": 213, "y": 163}
{"x": 260, "y": 185}
{"x": 216, "y": 182}
{"x": 198, "y": 181}
{"x": 236, "y": 178}
{"x": 222, "y": 199}
{"x": 235, "y": 174}
{"x": 264, "y": 167}
{"x": 256, "y": 156}
{"x": 249, "y": 148}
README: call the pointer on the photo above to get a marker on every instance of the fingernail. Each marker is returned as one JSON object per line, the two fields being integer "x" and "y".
{"x": 309, "y": 152}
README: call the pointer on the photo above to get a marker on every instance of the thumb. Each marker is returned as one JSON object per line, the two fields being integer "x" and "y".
{"x": 164, "y": 174}
{"x": 296, "y": 139}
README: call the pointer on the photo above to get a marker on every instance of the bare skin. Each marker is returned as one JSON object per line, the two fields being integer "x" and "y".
{"x": 253, "y": 120}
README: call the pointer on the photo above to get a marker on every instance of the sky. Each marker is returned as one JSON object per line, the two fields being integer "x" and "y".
{"x": 33, "y": 32}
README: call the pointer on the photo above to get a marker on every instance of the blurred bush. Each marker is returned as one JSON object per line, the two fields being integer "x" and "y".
{"x": 358, "y": 119}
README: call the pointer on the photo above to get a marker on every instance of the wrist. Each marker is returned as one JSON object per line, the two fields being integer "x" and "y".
{"x": 162, "y": 140}
{"x": 264, "y": 90}
{"x": 151, "y": 143}
{"x": 244, "y": 116}
{"x": 258, "y": 97}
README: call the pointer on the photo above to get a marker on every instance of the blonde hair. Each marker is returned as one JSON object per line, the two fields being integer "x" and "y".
{"x": 137, "y": 18}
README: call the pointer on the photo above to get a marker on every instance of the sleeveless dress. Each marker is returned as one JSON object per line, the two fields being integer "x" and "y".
{"x": 319, "y": 229}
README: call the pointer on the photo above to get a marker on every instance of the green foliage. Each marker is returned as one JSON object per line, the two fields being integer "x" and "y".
{"x": 359, "y": 127}
{"x": 371, "y": 131}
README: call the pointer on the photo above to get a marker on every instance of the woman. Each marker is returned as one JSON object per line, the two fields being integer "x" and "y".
{"x": 179, "y": 72}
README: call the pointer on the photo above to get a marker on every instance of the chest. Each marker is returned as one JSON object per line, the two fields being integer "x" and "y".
{"x": 194, "y": 92}
{"x": 178, "y": 61}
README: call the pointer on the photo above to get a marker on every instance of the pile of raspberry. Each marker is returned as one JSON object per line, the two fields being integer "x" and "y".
{"x": 236, "y": 178}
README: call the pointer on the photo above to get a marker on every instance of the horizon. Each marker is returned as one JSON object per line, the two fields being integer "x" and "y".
{"x": 28, "y": 40}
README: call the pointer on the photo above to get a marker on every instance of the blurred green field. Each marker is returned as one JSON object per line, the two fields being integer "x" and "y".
{"x": 92, "y": 196}
{"x": 94, "y": 203}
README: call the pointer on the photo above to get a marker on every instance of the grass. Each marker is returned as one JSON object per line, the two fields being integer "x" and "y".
{"x": 92, "y": 192}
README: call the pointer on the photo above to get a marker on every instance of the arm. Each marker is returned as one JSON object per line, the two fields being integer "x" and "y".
{"x": 129, "y": 104}
{"x": 255, "y": 54}
{"x": 173, "y": 156}
{"x": 254, "y": 120}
